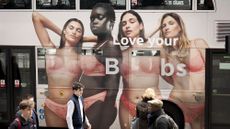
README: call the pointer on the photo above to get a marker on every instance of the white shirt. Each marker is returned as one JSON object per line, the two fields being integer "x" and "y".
{"x": 70, "y": 110}
{"x": 81, "y": 107}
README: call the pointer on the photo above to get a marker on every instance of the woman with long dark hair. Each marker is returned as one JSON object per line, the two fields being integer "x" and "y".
{"x": 62, "y": 64}
{"x": 138, "y": 72}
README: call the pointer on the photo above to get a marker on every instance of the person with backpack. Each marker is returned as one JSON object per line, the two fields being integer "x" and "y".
{"x": 34, "y": 113}
{"x": 34, "y": 116}
{"x": 24, "y": 121}
{"x": 158, "y": 119}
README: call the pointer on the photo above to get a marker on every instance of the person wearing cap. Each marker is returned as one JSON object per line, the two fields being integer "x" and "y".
{"x": 142, "y": 107}
{"x": 76, "y": 117}
{"x": 155, "y": 110}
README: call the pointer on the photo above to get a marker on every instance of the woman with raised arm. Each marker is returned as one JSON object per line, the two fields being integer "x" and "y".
{"x": 62, "y": 65}
{"x": 139, "y": 72}
{"x": 188, "y": 82}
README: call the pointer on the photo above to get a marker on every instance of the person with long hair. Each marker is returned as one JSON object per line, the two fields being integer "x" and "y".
{"x": 138, "y": 72}
{"x": 62, "y": 64}
{"x": 188, "y": 88}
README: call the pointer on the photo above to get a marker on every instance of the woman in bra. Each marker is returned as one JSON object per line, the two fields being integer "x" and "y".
{"x": 138, "y": 72}
{"x": 62, "y": 65}
{"x": 101, "y": 87}
{"x": 188, "y": 88}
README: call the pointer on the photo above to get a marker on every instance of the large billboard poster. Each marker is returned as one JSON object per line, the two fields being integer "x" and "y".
{"x": 118, "y": 53}
{"x": 116, "y": 70}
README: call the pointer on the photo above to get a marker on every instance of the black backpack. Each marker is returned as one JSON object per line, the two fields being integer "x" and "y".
{"x": 172, "y": 123}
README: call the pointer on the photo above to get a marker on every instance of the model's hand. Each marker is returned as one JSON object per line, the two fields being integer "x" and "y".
{"x": 199, "y": 97}
{"x": 89, "y": 126}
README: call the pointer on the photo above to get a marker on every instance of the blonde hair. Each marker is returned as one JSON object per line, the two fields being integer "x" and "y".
{"x": 149, "y": 94}
{"x": 155, "y": 104}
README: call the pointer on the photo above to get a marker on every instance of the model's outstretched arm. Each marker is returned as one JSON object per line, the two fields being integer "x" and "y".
{"x": 90, "y": 39}
{"x": 41, "y": 24}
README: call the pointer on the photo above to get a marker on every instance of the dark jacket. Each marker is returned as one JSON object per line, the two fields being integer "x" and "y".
{"x": 142, "y": 112}
{"x": 163, "y": 123}
{"x": 34, "y": 117}
{"x": 24, "y": 124}
{"x": 77, "y": 120}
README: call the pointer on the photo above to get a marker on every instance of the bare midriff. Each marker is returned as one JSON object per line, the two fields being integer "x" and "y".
{"x": 59, "y": 92}
{"x": 60, "y": 87}
{"x": 139, "y": 73}
{"x": 137, "y": 84}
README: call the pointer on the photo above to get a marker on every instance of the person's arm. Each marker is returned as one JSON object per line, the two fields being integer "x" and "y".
{"x": 90, "y": 39}
{"x": 109, "y": 105}
{"x": 41, "y": 23}
{"x": 137, "y": 111}
{"x": 70, "y": 110}
{"x": 13, "y": 125}
{"x": 162, "y": 123}
{"x": 139, "y": 107}
{"x": 87, "y": 122}
{"x": 201, "y": 45}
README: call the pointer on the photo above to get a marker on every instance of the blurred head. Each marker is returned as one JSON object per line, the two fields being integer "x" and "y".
{"x": 149, "y": 94}
{"x": 172, "y": 26}
{"x": 72, "y": 33}
{"x": 26, "y": 108}
{"x": 102, "y": 19}
{"x": 30, "y": 98}
{"x": 154, "y": 105}
{"x": 78, "y": 88}
{"x": 131, "y": 25}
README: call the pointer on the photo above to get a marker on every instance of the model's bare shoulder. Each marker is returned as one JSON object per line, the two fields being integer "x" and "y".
{"x": 200, "y": 43}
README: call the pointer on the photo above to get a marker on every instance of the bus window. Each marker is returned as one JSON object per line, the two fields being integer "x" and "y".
{"x": 161, "y": 4}
{"x": 205, "y": 4}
